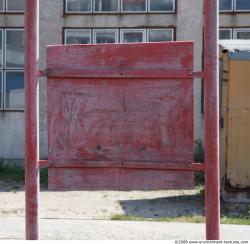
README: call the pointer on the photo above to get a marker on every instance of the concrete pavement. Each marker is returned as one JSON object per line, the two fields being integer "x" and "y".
{"x": 67, "y": 229}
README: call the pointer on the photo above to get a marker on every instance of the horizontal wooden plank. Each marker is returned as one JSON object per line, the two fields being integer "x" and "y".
{"x": 184, "y": 166}
{"x": 174, "y": 56}
{"x": 83, "y": 73}
{"x": 118, "y": 179}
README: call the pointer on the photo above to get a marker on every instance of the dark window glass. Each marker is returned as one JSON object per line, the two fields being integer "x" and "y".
{"x": 77, "y": 37}
{"x": 105, "y": 37}
{"x": 1, "y": 5}
{"x": 78, "y": 5}
{"x": 225, "y": 34}
{"x": 159, "y": 35}
{"x": 161, "y": 5}
{"x": 1, "y": 48}
{"x": 1, "y": 90}
{"x": 14, "y": 90}
{"x": 14, "y": 49}
{"x": 245, "y": 35}
{"x": 106, "y": 5}
{"x": 15, "y": 6}
{"x": 242, "y": 5}
{"x": 134, "y": 5}
{"x": 226, "y": 5}
{"x": 133, "y": 36}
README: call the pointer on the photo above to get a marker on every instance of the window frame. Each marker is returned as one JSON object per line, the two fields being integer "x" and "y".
{"x": 151, "y": 11}
{"x": 4, "y": 92}
{"x": 116, "y": 31}
{"x": 123, "y": 30}
{"x": 134, "y": 12}
{"x": 78, "y": 12}
{"x": 159, "y": 29}
{"x": 231, "y": 32}
{"x": 106, "y": 12}
{"x": 5, "y": 49}
{"x": 120, "y": 9}
{"x": 4, "y": 69}
{"x": 76, "y": 29}
{"x": 2, "y": 89}
{"x": 239, "y": 10}
{"x": 228, "y": 11}
{"x": 3, "y": 11}
{"x": 234, "y": 10}
{"x": 12, "y": 11}
{"x": 236, "y": 30}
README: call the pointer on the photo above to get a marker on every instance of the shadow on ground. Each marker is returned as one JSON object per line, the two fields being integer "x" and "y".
{"x": 179, "y": 206}
{"x": 174, "y": 206}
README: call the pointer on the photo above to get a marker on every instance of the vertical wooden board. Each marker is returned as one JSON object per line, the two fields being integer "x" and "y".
{"x": 61, "y": 179}
{"x": 238, "y": 149}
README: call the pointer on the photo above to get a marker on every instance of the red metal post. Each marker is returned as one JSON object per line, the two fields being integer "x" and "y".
{"x": 212, "y": 195}
{"x": 31, "y": 118}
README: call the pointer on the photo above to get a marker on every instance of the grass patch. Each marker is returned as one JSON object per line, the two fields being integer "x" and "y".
{"x": 11, "y": 173}
{"x": 16, "y": 174}
{"x": 184, "y": 219}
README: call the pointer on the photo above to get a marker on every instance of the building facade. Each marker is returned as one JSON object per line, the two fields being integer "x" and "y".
{"x": 99, "y": 21}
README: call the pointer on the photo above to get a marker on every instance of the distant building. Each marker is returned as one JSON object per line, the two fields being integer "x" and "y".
{"x": 99, "y": 21}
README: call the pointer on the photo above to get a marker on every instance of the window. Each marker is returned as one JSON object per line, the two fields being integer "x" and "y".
{"x": 134, "y": 5}
{"x": 1, "y": 90}
{"x": 117, "y": 6}
{"x": 106, "y": 5}
{"x": 235, "y": 33}
{"x": 234, "y": 5}
{"x": 133, "y": 35}
{"x": 12, "y": 6}
{"x": 105, "y": 36}
{"x": 241, "y": 34}
{"x": 160, "y": 35}
{"x": 225, "y": 34}
{"x": 226, "y": 5}
{"x": 11, "y": 71}
{"x": 78, "y": 36}
{"x": 1, "y": 5}
{"x": 161, "y": 5}
{"x": 242, "y": 5}
{"x": 97, "y": 36}
{"x": 15, "y": 5}
{"x": 14, "y": 89}
{"x": 78, "y": 6}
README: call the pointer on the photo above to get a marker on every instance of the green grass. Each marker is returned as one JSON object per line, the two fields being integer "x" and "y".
{"x": 184, "y": 219}
{"x": 16, "y": 174}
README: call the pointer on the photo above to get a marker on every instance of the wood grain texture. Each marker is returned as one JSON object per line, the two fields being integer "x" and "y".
{"x": 115, "y": 119}
{"x": 98, "y": 59}
{"x": 61, "y": 179}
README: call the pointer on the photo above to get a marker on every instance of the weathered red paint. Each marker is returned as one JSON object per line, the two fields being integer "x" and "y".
{"x": 107, "y": 169}
{"x": 124, "y": 164}
{"x": 131, "y": 117}
{"x": 212, "y": 196}
{"x": 31, "y": 119}
{"x": 118, "y": 179}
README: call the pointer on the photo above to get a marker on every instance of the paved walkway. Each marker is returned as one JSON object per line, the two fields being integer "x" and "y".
{"x": 67, "y": 229}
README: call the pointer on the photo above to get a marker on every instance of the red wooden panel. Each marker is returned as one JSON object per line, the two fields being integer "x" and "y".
{"x": 102, "y": 59}
{"x": 118, "y": 179}
{"x": 120, "y": 119}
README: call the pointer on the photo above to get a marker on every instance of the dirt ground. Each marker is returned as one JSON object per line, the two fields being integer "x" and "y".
{"x": 89, "y": 205}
